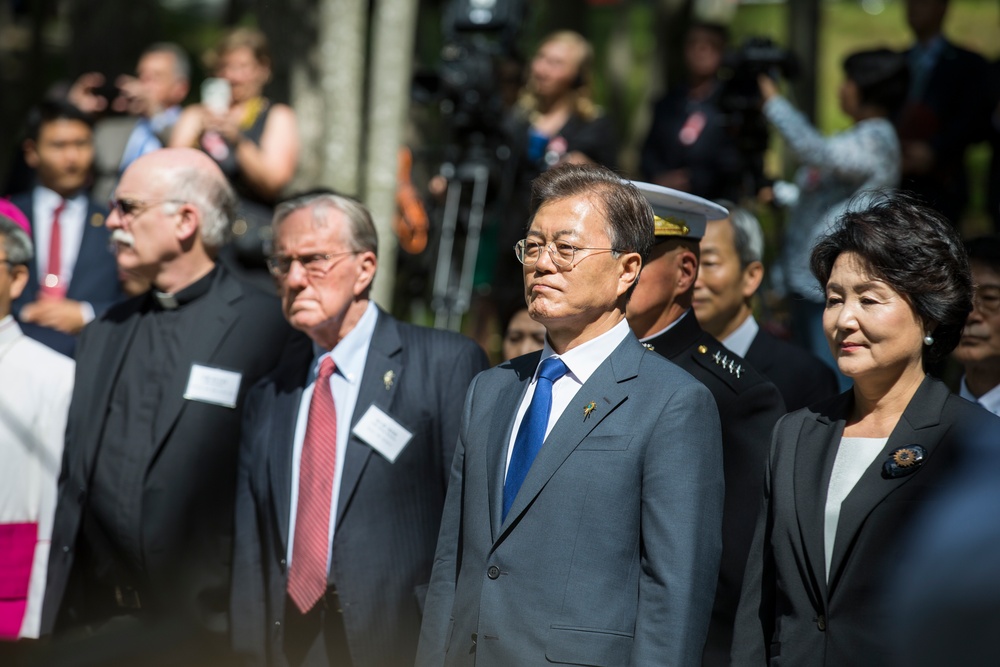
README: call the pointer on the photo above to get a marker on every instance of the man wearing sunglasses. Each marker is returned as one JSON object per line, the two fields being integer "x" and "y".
{"x": 345, "y": 457}
{"x": 142, "y": 537}
{"x": 73, "y": 277}
{"x": 583, "y": 519}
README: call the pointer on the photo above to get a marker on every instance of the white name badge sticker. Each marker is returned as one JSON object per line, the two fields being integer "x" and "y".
{"x": 383, "y": 433}
{"x": 213, "y": 385}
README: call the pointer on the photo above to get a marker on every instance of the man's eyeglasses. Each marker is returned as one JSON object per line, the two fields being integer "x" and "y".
{"x": 986, "y": 300}
{"x": 562, "y": 254}
{"x": 134, "y": 207}
{"x": 316, "y": 266}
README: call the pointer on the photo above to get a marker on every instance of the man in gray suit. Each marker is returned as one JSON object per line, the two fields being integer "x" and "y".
{"x": 583, "y": 518}
{"x": 345, "y": 458}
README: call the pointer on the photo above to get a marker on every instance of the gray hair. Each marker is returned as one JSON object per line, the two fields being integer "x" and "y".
{"x": 16, "y": 243}
{"x": 182, "y": 62}
{"x": 211, "y": 194}
{"x": 362, "y": 236}
{"x": 748, "y": 237}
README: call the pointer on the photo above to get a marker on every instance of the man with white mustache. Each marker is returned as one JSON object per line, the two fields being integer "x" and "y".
{"x": 142, "y": 537}
{"x": 979, "y": 349}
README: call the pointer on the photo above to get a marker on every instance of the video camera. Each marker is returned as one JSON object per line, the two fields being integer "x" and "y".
{"x": 740, "y": 100}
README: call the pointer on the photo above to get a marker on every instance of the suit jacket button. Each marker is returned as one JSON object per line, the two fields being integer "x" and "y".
{"x": 282, "y": 562}
{"x": 277, "y": 624}
{"x": 821, "y": 622}
{"x": 493, "y": 572}
{"x": 65, "y": 549}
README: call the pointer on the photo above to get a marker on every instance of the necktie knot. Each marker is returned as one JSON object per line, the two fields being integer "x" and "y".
{"x": 552, "y": 369}
{"x": 326, "y": 368}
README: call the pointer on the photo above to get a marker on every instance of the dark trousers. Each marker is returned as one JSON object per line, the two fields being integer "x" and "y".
{"x": 318, "y": 638}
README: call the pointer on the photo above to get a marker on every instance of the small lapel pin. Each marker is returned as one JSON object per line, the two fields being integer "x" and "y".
{"x": 903, "y": 461}
{"x": 649, "y": 347}
{"x": 97, "y": 220}
{"x": 387, "y": 379}
{"x": 588, "y": 408}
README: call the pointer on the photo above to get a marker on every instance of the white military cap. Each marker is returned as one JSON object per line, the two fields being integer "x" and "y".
{"x": 678, "y": 214}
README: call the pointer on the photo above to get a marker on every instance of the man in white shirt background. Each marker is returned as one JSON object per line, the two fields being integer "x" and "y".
{"x": 151, "y": 102}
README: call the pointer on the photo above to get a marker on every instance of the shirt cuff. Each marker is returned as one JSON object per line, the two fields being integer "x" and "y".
{"x": 87, "y": 311}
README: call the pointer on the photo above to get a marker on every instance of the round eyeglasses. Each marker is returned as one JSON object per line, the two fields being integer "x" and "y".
{"x": 561, "y": 253}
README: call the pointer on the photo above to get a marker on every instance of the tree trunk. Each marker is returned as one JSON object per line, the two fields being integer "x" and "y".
{"x": 393, "y": 28}
{"x": 343, "y": 30}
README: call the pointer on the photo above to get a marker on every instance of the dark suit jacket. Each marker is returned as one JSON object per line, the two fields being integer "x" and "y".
{"x": 388, "y": 514}
{"x": 789, "y": 614}
{"x": 950, "y": 115}
{"x": 801, "y": 377}
{"x": 95, "y": 277}
{"x": 189, "y": 484}
{"x": 610, "y": 551}
{"x": 749, "y": 406}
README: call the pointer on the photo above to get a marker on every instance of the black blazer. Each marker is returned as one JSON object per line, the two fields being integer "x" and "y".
{"x": 800, "y": 376}
{"x": 388, "y": 514}
{"x": 95, "y": 277}
{"x": 190, "y": 480}
{"x": 789, "y": 614}
{"x": 749, "y": 405}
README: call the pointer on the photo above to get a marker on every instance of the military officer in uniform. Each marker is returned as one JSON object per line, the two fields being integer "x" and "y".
{"x": 660, "y": 314}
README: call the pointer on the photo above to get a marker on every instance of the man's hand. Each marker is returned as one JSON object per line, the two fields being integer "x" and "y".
{"x": 63, "y": 315}
{"x": 83, "y": 93}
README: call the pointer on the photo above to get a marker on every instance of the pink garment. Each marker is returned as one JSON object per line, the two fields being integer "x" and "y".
{"x": 14, "y": 213}
{"x": 17, "y": 551}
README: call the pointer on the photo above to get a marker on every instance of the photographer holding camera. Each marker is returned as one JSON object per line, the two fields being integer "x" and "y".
{"x": 833, "y": 172}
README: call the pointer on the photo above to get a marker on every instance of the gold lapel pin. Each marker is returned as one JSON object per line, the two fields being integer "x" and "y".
{"x": 387, "y": 379}
{"x": 587, "y": 409}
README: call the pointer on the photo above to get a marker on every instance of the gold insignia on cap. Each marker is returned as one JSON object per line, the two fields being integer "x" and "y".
{"x": 670, "y": 226}
{"x": 387, "y": 379}
{"x": 702, "y": 349}
{"x": 97, "y": 220}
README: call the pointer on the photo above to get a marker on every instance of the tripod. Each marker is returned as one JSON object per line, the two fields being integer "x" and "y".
{"x": 453, "y": 276}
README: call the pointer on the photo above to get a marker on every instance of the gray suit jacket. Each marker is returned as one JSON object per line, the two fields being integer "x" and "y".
{"x": 610, "y": 552}
{"x": 388, "y": 514}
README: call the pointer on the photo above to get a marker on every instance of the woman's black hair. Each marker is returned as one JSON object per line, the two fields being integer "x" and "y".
{"x": 913, "y": 249}
{"x": 882, "y": 77}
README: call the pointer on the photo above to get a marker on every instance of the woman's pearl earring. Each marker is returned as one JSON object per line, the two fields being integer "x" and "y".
{"x": 928, "y": 340}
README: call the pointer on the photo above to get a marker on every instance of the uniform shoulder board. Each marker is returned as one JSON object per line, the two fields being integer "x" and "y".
{"x": 724, "y": 364}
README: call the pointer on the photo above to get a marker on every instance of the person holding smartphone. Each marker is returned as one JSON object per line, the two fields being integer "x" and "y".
{"x": 253, "y": 140}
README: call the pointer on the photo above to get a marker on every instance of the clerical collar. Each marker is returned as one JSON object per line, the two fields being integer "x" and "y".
{"x": 188, "y": 294}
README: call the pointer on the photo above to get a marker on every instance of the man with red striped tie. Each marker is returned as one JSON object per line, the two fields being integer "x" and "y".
{"x": 344, "y": 457}
{"x": 73, "y": 278}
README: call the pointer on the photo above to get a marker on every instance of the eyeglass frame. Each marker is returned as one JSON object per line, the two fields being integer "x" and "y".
{"x": 977, "y": 301}
{"x": 291, "y": 259}
{"x": 115, "y": 204}
{"x": 521, "y": 247}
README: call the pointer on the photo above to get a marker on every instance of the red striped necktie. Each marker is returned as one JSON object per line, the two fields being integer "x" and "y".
{"x": 307, "y": 574}
{"x": 52, "y": 284}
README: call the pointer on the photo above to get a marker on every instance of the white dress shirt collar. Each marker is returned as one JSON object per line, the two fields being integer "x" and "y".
{"x": 742, "y": 337}
{"x": 584, "y": 359}
{"x": 990, "y": 400}
{"x": 347, "y": 354}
